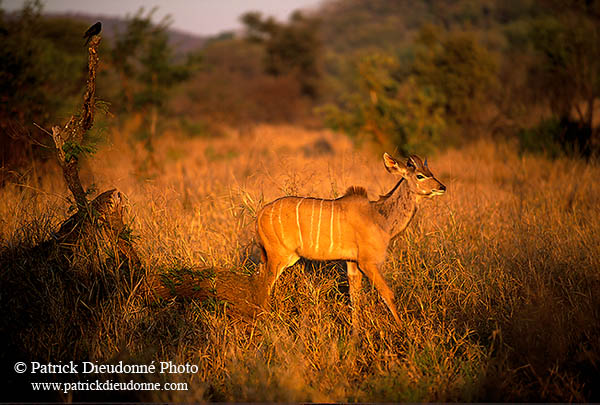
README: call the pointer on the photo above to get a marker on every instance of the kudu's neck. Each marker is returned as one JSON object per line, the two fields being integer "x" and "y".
{"x": 397, "y": 207}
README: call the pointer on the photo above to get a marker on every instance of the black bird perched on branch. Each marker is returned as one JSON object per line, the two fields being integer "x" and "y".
{"x": 93, "y": 30}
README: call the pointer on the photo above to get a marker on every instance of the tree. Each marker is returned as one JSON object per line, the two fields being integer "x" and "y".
{"x": 290, "y": 49}
{"x": 567, "y": 68}
{"x": 461, "y": 70}
{"x": 41, "y": 69}
{"x": 394, "y": 113}
{"x": 145, "y": 62}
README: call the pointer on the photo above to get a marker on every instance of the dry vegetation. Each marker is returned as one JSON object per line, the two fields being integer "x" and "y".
{"x": 496, "y": 282}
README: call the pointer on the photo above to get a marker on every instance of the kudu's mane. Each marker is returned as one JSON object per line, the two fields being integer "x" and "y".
{"x": 360, "y": 191}
{"x": 356, "y": 190}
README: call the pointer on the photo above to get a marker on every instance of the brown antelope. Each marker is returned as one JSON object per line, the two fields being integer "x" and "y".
{"x": 349, "y": 228}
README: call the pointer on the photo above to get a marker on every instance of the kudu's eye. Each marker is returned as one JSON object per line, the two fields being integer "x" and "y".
{"x": 420, "y": 177}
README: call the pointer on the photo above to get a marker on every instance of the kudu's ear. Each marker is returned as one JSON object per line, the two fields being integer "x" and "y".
{"x": 393, "y": 166}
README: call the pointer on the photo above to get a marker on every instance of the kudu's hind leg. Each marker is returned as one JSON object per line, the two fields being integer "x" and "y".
{"x": 372, "y": 271}
{"x": 274, "y": 267}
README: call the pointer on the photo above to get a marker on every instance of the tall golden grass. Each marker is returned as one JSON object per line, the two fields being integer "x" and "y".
{"x": 497, "y": 283}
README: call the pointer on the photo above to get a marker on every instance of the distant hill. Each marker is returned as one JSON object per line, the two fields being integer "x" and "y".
{"x": 354, "y": 25}
{"x": 182, "y": 42}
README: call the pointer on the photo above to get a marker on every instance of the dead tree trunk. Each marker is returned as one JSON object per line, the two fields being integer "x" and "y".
{"x": 102, "y": 218}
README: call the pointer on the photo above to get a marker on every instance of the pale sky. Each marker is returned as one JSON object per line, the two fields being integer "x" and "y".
{"x": 202, "y": 17}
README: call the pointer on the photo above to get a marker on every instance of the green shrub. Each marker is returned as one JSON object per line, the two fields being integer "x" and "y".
{"x": 392, "y": 113}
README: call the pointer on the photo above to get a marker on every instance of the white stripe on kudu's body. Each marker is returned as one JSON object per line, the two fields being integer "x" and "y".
{"x": 312, "y": 216}
{"x": 359, "y": 230}
{"x": 319, "y": 226}
{"x": 331, "y": 228}
{"x": 298, "y": 223}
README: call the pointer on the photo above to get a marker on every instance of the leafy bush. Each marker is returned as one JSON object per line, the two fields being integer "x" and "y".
{"x": 542, "y": 138}
{"x": 556, "y": 137}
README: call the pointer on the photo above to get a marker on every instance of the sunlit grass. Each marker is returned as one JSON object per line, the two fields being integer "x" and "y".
{"x": 496, "y": 282}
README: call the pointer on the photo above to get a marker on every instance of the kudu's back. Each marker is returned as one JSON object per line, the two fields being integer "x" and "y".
{"x": 316, "y": 229}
